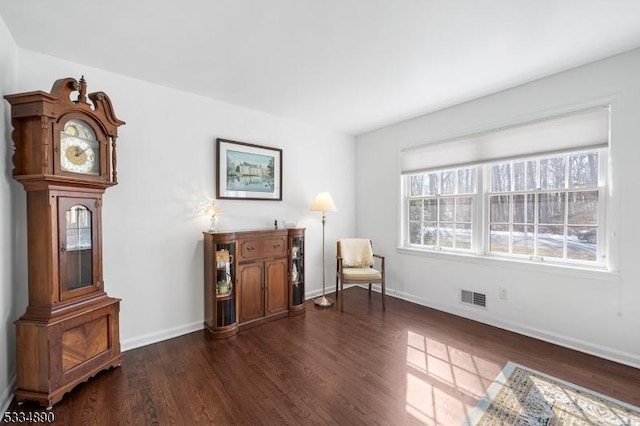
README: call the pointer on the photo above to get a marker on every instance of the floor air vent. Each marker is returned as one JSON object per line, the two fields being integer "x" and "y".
{"x": 473, "y": 298}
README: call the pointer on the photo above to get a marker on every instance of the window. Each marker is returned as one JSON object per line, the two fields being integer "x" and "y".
{"x": 544, "y": 208}
{"x": 534, "y": 191}
{"x": 440, "y": 208}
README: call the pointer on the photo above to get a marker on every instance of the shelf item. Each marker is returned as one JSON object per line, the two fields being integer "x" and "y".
{"x": 249, "y": 278}
{"x": 297, "y": 270}
{"x": 224, "y": 282}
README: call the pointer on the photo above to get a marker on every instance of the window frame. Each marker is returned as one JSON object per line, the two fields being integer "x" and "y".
{"x": 480, "y": 221}
{"x": 438, "y": 197}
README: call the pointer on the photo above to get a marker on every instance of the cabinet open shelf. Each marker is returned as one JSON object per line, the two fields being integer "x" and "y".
{"x": 225, "y": 296}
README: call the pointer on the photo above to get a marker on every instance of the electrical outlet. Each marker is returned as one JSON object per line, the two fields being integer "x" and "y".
{"x": 503, "y": 293}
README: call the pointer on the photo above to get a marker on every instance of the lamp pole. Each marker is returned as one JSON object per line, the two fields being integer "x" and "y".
{"x": 323, "y": 300}
{"x": 323, "y": 203}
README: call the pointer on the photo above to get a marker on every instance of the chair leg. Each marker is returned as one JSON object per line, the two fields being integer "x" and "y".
{"x": 341, "y": 298}
{"x": 383, "y": 294}
{"x": 369, "y": 290}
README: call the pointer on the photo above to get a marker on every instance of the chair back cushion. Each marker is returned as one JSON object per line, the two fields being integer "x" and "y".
{"x": 356, "y": 252}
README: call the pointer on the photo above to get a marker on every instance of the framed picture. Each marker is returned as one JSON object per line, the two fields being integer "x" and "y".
{"x": 248, "y": 172}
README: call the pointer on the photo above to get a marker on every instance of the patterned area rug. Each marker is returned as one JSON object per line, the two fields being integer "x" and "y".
{"x": 520, "y": 396}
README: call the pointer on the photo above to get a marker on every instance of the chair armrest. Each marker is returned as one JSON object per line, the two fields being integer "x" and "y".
{"x": 381, "y": 257}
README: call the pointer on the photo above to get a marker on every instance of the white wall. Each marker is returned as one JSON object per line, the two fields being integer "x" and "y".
{"x": 8, "y": 61}
{"x": 152, "y": 228}
{"x": 593, "y": 312}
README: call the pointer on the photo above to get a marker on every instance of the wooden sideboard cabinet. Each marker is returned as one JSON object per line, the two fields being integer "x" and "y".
{"x": 251, "y": 277}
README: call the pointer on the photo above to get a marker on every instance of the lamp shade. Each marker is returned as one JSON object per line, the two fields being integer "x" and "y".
{"x": 323, "y": 203}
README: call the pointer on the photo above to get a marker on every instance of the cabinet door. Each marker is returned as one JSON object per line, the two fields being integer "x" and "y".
{"x": 250, "y": 292}
{"x": 276, "y": 277}
{"x": 296, "y": 290}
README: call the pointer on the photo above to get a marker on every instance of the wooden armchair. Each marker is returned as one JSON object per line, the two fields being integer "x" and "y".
{"x": 355, "y": 265}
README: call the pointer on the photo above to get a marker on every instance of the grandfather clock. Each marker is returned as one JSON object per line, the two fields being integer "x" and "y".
{"x": 65, "y": 157}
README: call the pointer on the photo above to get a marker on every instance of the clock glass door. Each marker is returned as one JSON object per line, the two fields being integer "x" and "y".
{"x": 79, "y": 264}
{"x": 78, "y": 251}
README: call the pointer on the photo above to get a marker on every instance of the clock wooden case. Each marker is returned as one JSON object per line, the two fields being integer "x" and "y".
{"x": 65, "y": 157}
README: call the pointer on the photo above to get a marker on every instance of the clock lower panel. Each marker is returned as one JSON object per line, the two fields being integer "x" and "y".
{"x": 56, "y": 354}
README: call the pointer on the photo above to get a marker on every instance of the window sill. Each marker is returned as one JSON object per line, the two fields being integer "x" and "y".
{"x": 594, "y": 273}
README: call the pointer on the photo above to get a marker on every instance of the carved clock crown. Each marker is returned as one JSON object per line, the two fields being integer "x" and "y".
{"x": 39, "y": 119}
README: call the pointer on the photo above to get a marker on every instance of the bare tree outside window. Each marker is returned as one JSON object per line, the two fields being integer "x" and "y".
{"x": 440, "y": 208}
{"x": 553, "y": 214}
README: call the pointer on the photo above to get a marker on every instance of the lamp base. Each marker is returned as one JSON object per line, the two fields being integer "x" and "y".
{"x": 323, "y": 302}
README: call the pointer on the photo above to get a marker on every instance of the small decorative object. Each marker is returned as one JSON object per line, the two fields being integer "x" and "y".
{"x": 323, "y": 203}
{"x": 222, "y": 257}
{"x": 275, "y": 224}
{"x": 294, "y": 273}
{"x": 223, "y": 266}
{"x": 223, "y": 288}
{"x": 248, "y": 172}
{"x": 295, "y": 252}
{"x": 290, "y": 223}
{"x": 213, "y": 210}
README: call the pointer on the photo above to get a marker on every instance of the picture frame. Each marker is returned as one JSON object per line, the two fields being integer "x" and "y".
{"x": 247, "y": 171}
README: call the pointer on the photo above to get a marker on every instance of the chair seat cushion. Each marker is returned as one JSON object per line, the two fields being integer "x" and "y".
{"x": 361, "y": 274}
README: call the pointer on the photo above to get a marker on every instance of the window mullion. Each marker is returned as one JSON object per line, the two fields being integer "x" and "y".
{"x": 438, "y": 199}
{"x": 477, "y": 223}
{"x": 603, "y": 201}
{"x": 422, "y": 220}
{"x": 567, "y": 177}
{"x": 565, "y": 246}
{"x": 480, "y": 220}
{"x": 536, "y": 210}
{"x": 510, "y": 207}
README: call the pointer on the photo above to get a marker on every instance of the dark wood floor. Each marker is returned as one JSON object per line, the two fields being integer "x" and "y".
{"x": 407, "y": 365}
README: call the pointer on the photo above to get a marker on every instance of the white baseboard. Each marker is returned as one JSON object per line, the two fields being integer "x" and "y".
{"x": 7, "y": 395}
{"x": 159, "y": 336}
{"x": 313, "y": 295}
{"x": 632, "y": 360}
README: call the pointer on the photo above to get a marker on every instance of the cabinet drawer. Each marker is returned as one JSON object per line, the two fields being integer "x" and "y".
{"x": 251, "y": 249}
{"x": 275, "y": 247}
{"x": 257, "y": 248}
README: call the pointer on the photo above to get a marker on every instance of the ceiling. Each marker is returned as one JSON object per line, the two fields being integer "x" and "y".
{"x": 346, "y": 65}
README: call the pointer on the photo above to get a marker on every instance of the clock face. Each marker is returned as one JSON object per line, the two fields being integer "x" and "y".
{"x": 79, "y": 149}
